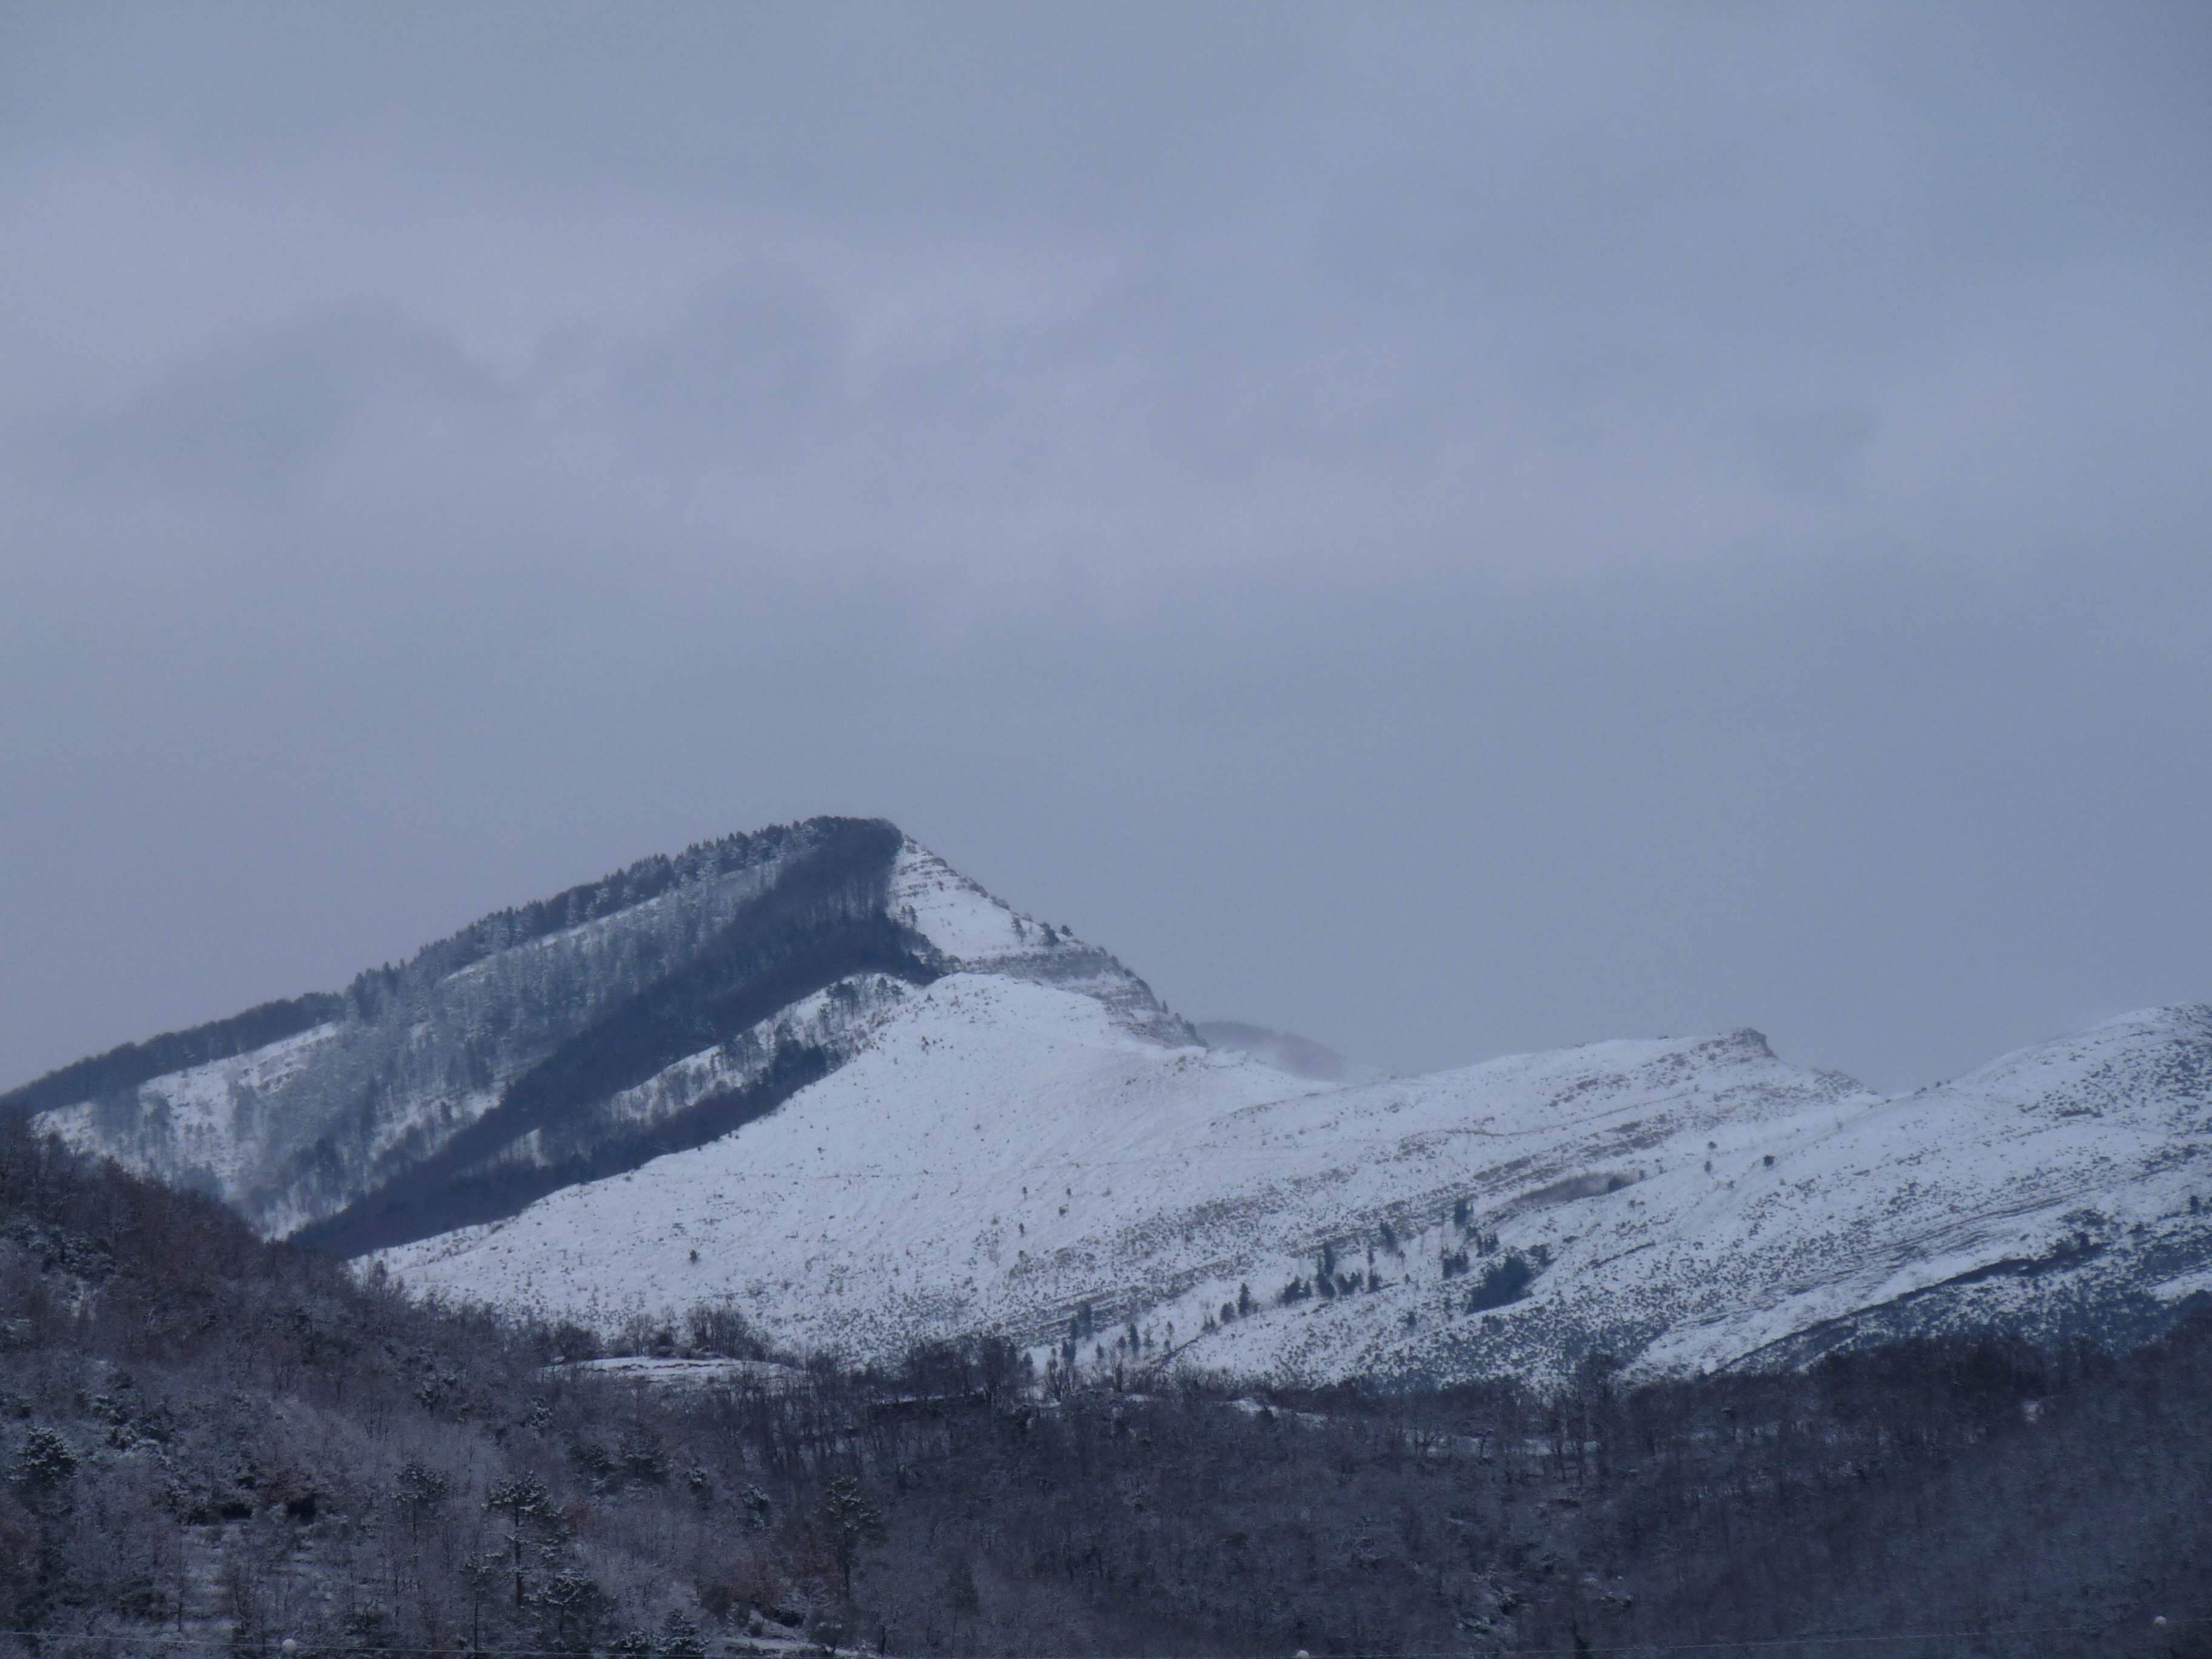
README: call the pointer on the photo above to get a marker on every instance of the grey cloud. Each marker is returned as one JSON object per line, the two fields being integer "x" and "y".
{"x": 1814, "y": 452}
{"x": 1445, "y": 529}
{"x": 1519, "y": 268}
{"x": 256, "y": 417}
{"x": 1899, "y": 818}
{"x": 752, "y": 368}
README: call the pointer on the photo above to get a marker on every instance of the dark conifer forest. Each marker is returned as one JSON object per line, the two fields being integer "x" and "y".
{"x": 214, "y": 1444}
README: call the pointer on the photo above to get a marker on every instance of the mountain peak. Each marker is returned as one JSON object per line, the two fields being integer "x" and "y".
{"x": 818, "y": 1071}
{"x": 570, "y": 1039}
{"x": 975, "y": 932}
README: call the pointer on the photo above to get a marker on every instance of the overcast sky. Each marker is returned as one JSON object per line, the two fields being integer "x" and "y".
{"x": 1447, "y": 529}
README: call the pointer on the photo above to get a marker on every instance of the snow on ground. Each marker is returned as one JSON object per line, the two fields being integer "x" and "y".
{"x": 982, "y": 1133}
{"x": 954, "y": 913}
{"x": 1035, "y": 1141}
{"x": 835, "y": 1019}
{"x": 1756, "y": 1218}
{"x": 290, "y": 1132}
{"x": 978, "y": 933}
{"x": 687, "y": 1373}
{"x": 197, "y": 1127}
{"x": 1003, "y": 1153}
{"x": 301, "y": 1127}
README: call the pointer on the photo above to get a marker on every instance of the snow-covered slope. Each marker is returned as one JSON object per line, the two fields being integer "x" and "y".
{"x": 817, "y": 1072}
{"x": 655, "y": 1009}
{"x": 371, "y": 1082}
{"x": 972, "y": 931}
{"x": 1003, "y": 1156}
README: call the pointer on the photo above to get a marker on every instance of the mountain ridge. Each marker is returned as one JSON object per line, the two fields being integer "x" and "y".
{"x": 557, "y": 1041}
{"x": 1677, "y": 1205}
{"x": 817, "y": 1074}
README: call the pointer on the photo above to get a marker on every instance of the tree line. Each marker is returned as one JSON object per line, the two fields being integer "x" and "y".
{"x": 211, "y": 1439}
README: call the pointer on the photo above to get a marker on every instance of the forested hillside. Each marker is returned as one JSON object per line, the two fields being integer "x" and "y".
{"x": 213, "y": 1442}
{"x": 652, "y": 1011}
{"x": 292, "y": 1111}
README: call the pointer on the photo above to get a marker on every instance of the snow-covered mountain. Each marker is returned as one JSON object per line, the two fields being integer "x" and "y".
{"x": 654, "y": 1009}
{"x": 816, "y": 1073}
